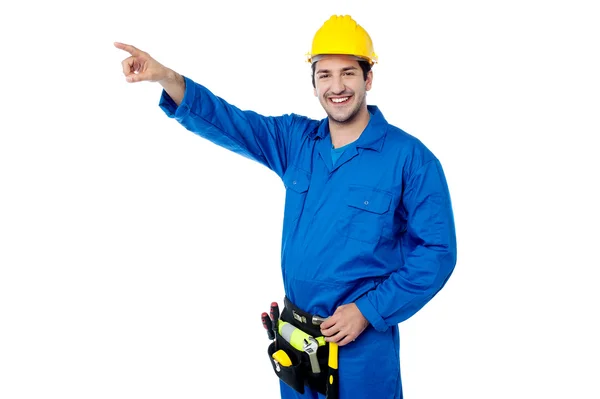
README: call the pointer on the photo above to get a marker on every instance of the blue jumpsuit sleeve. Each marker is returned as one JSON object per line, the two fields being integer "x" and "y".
{"x": 260, "y": 138}
{"x": 429, "y": 244}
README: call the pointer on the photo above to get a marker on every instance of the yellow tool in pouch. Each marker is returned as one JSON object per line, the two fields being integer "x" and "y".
{"x": 282, "y": 358}
{"x": 303, "y": 342}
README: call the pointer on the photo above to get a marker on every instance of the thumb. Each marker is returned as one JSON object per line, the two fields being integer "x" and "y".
{"x": 137, "y": 77}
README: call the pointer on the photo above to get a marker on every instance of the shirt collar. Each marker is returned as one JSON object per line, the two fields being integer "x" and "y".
{"x": 373, "y": 135}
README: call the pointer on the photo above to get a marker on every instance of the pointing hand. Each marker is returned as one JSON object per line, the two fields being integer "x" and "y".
{"x": 140, "y": 66}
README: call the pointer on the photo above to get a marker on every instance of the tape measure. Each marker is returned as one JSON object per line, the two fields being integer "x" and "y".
{"x": 282, "y": 358}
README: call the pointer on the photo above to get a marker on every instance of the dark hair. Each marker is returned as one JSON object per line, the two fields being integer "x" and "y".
{"x": 364, "y": 65}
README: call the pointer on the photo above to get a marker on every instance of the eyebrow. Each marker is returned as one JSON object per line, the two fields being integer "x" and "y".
{"x": 348, "y": 68}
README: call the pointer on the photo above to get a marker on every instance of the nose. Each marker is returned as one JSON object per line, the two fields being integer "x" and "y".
{"x": 337, "y": 86}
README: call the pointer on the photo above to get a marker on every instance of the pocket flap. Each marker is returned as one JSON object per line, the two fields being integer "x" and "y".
{"x": 296, "y": 179}
{"x": 369, "y": 199}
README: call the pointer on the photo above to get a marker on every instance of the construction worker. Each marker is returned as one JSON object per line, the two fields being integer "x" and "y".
{"x": 368, "y": 233}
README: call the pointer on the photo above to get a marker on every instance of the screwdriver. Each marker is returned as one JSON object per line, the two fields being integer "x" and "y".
{"x": 268, "y": 325}
{"x": 275, "y": 315}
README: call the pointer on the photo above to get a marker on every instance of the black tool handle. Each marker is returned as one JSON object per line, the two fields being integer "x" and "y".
{"x": 275, "y": 315}
{"x": 268, "y": 325}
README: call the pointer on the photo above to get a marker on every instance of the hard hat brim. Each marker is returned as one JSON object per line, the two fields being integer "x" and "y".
{"x": 314, "y": 58}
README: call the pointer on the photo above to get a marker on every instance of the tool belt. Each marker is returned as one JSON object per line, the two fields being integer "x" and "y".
{"x": 301, "y": 372}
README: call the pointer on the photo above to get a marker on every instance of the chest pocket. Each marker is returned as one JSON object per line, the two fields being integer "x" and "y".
{"x": 366, "y": 213}
{"x": 296, "y": 182}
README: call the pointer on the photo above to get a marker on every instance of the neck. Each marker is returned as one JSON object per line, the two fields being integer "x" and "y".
{"x": 346, "y": 132}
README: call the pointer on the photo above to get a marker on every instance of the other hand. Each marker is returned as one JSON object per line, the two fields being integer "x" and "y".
{"x": 345, "y": 325}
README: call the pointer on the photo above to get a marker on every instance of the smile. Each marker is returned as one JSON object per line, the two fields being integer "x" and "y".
{"x": 340, "y": 100}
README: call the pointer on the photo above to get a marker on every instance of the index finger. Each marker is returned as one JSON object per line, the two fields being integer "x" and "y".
{"x": 127, "y": 47}
{"x": 328, "y": 323}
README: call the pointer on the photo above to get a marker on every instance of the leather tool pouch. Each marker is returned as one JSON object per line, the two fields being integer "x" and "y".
{"x": 300, "y": 373}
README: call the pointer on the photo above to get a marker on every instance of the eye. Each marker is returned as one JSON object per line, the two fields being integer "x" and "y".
{"x": 349, "y": 73}
{"x": 323, "y": 76}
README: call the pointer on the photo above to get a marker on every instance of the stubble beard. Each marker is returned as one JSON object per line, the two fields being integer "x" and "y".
{"x": 350, "y": 117}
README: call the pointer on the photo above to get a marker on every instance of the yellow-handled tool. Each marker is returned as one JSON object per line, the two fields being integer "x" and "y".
{"x": 332, "y": 363}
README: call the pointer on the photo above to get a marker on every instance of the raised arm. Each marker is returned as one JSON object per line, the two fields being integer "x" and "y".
{"x": 268, "y": 140}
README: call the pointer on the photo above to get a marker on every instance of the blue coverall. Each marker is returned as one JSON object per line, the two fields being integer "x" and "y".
{"x": 376, "y": 228}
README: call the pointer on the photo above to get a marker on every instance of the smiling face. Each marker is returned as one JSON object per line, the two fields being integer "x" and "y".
{"x": 341, "y": 87}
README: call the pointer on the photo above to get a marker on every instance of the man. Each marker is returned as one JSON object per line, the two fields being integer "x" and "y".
{"x": 368, "y": 232}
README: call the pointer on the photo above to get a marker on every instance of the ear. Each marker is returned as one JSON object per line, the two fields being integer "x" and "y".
{"x": 369, "y": 81}
{"x": 315, "y": 92}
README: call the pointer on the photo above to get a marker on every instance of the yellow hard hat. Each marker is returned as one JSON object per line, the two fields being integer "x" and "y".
{"x": 342, "y": 35}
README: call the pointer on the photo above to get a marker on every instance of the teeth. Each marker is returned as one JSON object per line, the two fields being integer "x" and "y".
{"x": 339, "y": 100}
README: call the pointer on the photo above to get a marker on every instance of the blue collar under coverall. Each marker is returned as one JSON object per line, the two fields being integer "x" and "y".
{"x": 376, "y": 228}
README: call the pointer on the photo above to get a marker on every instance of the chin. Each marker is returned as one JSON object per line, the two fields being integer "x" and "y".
{"x": 342, "y": 117}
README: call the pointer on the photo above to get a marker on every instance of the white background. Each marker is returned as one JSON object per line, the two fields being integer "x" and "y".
{"x": 136, "y": 258}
